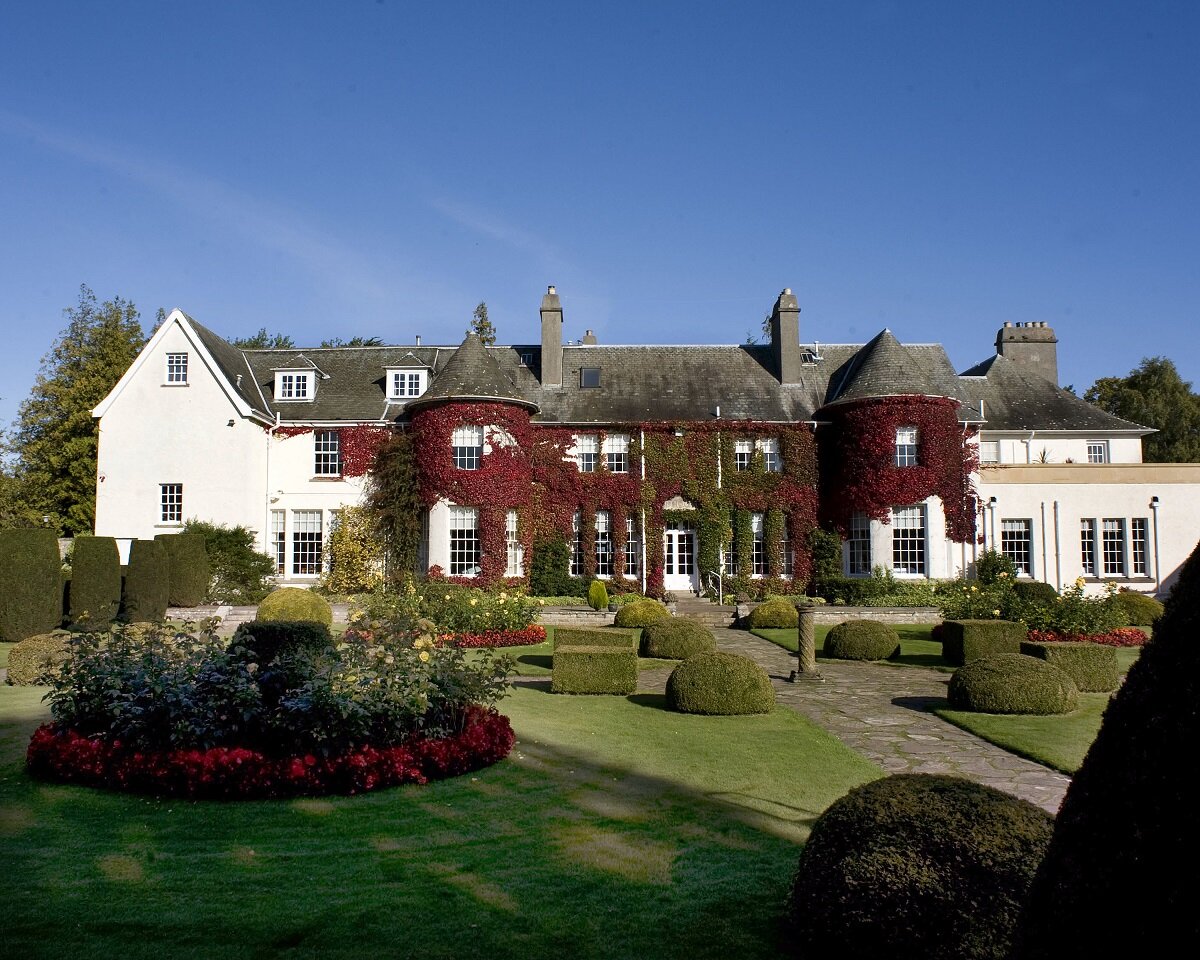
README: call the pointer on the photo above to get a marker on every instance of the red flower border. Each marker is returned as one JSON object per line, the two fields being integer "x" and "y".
{"x": 1119, "y": 637}
{"x": 533, "y": 634}
{"x": 237, "y": 773}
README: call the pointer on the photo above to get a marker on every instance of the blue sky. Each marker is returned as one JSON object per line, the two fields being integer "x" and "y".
{"x": 377, "y": 168}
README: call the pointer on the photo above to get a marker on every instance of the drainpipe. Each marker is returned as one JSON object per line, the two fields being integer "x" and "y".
{"x": 267, "y": 519}
{"x": 1028, "y": 441}
{"x": 992, "y": 512}
{"x": 1057, "y": 551}
{"x": 642, "y": 442}
{"x": 1157, "y": 573}
{"x": 1043, "y": 538}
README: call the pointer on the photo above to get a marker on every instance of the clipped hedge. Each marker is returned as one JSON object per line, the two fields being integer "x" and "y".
{"x": 774, "y": 613}
{"x": 147, "y": 583}
{"x": 1137, "y": 609}
{"x": 967, "y": 640}
{"x": 594, "y": 670}
{"x": 917, "y": 867}
{"x": 862, "y": 640}
{"x": 95, "y": 582}
{"x": 188, "y": 572}
{"x": 676, "y": 639}
{"x": 1012, "y": 683}
{"x": 1092, "y": 666}
{"x": 641, "y": 613}
{"x": 31, "y": 586}
{"x": 598, "y": 595}
{"x": 720, "y": 684}
{"x": 595, "y": 637}
{"x": 37, "y": 659}
{"x": 294, "y": 605}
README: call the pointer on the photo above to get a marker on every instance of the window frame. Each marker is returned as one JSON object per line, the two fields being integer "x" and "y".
{"x": 308, "y": 544}
{"x": 465, "y": 555}
{"x": 295, "y": 386}
{"x": 615, "y": 451}
{"x": 466, "y": 453}
{"x": 633, "y": 548}
{"x": 1139, "y": 546}
{"x": 1016, "y": 543}
{"x": 586, "y": 376}
{"x": 1112, "y": 547}
{"x": 910, "y": 553}
{"x": 176, "y": 370}
{"x": 170, "y": 504}
{"x": 743, "y": 455}
{"x": 859, "y": 549}
{"x": 327, "y": 453}
{"x": 401, "y": 382}
{"x": 604, "y": 544}
{"x": 1098, "y": 451}
{"x": 586, "y": 452}
{"x": 908, "y": 442}
{"x": 514, "y": 552}
{"x": 1087, "y": 546}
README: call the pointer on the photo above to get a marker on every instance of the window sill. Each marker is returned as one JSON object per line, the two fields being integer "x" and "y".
{"x": 169, "y": 526}
{"x": 326, "y": 478}
{"x": 176, "y": 384}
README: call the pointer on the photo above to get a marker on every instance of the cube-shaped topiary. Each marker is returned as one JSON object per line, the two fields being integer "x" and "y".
{"x": 95, "y": 582}
{"x": 596, "y": 637}
{"x": 777, "y": 612}
{"x": 598, "y": 595}
{"x": 1012, "y": 683}
{"x": 917, "y": 867}
{"x": 640, "y": 613}
{"x": 676, "y": 639}
{"x": 38, "y": 659}
{"x": 862, "y": 640}
{"x": 594, "y": 670}
{"x": 1137, "y": 609}
{"x": 294, "y": 605}
{"x": 966, "y": 640}
{"x": 147, "y": 582}
{"x": 31, "y": 585}
{"x": 1092, "y": 666}
{"x": 720, "y": 684}
{"x": 187, "y": 564}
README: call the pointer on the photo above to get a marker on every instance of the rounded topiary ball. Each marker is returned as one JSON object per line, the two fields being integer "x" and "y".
{"x": 676, "y": 639}
{"x": 861, "y": 640}
{"x": 1012, "y": 683}
{"x": 1137, "y": 609}
{"x": 38, "y": 659}
{"x": 293, "y": 605}
{"x": 641, "y": 613}
{"x": 917, "y": 866}
{"x": 776, "y": 612}
{"x": 721, "y": 684}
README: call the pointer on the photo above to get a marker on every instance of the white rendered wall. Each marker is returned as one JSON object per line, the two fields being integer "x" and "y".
{"x": 1031, "y": 447}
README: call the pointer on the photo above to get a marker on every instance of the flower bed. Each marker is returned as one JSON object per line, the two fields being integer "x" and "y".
{"x": 1118, "y": 637}
{"x": 238, "y": 773}
{"x": 530, "y": 635}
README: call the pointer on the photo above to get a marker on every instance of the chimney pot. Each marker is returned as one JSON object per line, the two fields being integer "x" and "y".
{"x": 550, "y": 289}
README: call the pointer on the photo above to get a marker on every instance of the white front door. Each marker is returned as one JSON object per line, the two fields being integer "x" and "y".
{"x": 679, "y": 557}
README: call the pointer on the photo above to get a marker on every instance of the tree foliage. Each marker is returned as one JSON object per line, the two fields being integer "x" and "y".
{"x": 353, "y": 342}
{"x": 482, "y": 327}
{"x": 55, "y": 436}
{"x": 240, "y": 573}
{"x": 264, "y": 341}
{"x": 394, "y": 501}
{"x": 1154, "y": 395}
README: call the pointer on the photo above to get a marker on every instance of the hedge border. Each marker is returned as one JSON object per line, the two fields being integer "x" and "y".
{"x": 594, "y": 670}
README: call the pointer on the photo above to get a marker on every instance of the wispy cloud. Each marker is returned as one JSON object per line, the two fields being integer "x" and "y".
{"x": 488, "y": 225}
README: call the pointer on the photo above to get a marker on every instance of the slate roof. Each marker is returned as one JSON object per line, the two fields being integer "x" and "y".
{"x": 471, "y": 373}
{"x": 883, "y": 368}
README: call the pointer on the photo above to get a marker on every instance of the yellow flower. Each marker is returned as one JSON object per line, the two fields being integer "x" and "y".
{"x": 502, "y": 600}
{"x": 446, "y": 597}
{"x": 1079, "y": 581}
{"x": 424, "y": 655}
{"x": 474, "y": 601}
{"x": 995, "y": 613}
{"x": 974, "y": 589}
{"x": 1004, "y": 573}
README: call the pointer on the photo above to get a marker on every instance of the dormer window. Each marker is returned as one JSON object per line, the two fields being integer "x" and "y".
{"x": 406, "y": 384}
{"x": 906, "y": 446}
{"x": 295, "y": 385}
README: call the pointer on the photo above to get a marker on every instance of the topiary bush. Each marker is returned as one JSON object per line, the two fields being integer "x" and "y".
{"x": 1092, "y": 666}
{"x": 1012, "y": 683}
{"x": 917, "y": 866}
{"x": 38, "y": 659}
{"x": 240, "y": 573}
{"x": 1137, "y": 609}
{"x": 641, "y": 613}
{"x": 720, "y": 684}
{"x": 862, "y": 640}
{"x": 187, "y": 568}
{"x": 594, "y": 669}
{"x": 146, "y": 586}
{"x": 967, "y": 640}
{"x": 595, "y": 637}
{"x": 776, "y": 612}
{"x": 598, "y": 595}
{"x": 95, "y": 582}
{"x": 294, "y": 605}
{"x": 1034, "y": 591}
{"x": 676, "y": 639}
{"x": 31, "y": 586}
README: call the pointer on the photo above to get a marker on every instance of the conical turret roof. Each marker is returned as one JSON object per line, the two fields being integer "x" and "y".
{"x": 472, "y": 373}
{"x": 884, "y": 368}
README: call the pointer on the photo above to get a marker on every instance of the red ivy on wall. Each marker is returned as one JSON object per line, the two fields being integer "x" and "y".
{"x": 358, "y": 445}
{"x": 859, "y": 472}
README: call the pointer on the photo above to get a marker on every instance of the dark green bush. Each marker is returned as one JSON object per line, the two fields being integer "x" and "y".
{"x": 38, "y": 660}
{"x": 1034, "y": 591}
{"x": 146, "y": 583}
{"x": 548, "y": 572}
{"x": 720, "y": 684}
{"x": 776, "y": 612}
{"x": 294, "y": 605}
{"x": 595, "y": 637}
{"x": 641, "y": 613}
{"x": 31, "y": 586}
{"x": 1092, "y": 666}
{"x": 826, "y": 550}
{"x": 862, "y": 640}
{"x": 676, "y": 639}
{"x": 993, "y": 565}
{"x": 594, "y": 670}
{"x": 917, "y": 867}
{"x": 187, "y": 568}
{"x": 240, "y": 574}
{"x": 1012, "y": 683}
{"x": 967, "y": 640}
{"x": 95, "y": 582}
{"x": 264, "y": 642}
{"x": 1137, "y": 609}
{"x": 598, "y": 595}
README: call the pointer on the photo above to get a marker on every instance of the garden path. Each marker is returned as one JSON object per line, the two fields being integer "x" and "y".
{"x": 883, "y": 712}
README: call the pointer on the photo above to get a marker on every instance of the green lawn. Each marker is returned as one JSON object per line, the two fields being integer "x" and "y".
{"x": 616, "y": 829}
{"x": 916, "y": 649}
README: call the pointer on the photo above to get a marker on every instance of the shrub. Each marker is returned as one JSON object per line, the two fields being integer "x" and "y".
{"x": 1012, "y": 683}
{"x": 594, "y": 670}
{"x": 95, "y": 582}
{"x": 676, "y": 639}
{"x": 598, "y": 637}
{"x": 993, "y": 565}
{"x": 355, "y": 553}
{"x": 918, "y": 866}
{"x": 187, "y": 568}
{"x": 144, "y": 597}
{"x": 240, "y": 574}
{"x": 1092, "y": 666}
{"x": 294, "y": 605}
{"x": 641, "y": 613}
{"x": 1117, "y": 637}
{"x": 38, "y": 659}
{"x": 459, "y": 609}
{"x": 826, "y": 550}
{"x": 862, "y": 640}
{"x": 720, "y": 684}
{"x": 1137, "y": 609}
{"x": 967, "y": 640}
{"x": 598, "y": 595}
{"x": 264, "y": 642}
{"x": 548, "y": 572}
{"x": 1034, "y": 591}
{"x": 1077, "y": 613}
{"x": 31, "y": 588}
{"x": 776, "y": 612}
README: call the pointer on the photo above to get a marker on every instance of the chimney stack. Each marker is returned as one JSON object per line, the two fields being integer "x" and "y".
{"x": 785, "y": 337}
{"x": 552, "y": 348}
{"x": 1032, "y": 345}
{"x": 589, "y": 338}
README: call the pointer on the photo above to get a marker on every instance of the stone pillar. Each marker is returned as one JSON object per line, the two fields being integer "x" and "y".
{"x": 806, "y": 647}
